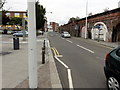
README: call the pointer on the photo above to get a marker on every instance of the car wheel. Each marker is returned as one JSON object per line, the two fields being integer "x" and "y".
{"x": 113, "y": 83}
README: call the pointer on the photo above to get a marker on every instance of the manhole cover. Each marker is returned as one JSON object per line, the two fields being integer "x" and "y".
{"x": 4, "y": 53}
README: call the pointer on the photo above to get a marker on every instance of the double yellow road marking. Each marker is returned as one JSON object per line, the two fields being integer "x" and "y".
{"x": 55, "y": 52}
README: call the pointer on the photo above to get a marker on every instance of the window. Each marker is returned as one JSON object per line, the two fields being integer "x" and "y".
{"x": 24, "y": 15}
{"x": 8, "y": 14}
{"x": 17, "y": 15}
{"x": 118, "y": 53}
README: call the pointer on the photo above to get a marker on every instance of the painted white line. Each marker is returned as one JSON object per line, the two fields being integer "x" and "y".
{"x": 61, "y": 62}
{"x": 99, "y": 58}
{"x": 68, "y": 72}
{"x": 48, "y": 43}
{"x": 70, "y": 79}
{"x": 85, "y": 48}
{"x": 69, "y": 41}
{"x": 62, "y": 38}
{"x": 23, "y": 42}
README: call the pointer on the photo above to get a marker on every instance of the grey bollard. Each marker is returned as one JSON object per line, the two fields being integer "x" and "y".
{"x": 16, "y": 43}
{"x": 43, "y": 55}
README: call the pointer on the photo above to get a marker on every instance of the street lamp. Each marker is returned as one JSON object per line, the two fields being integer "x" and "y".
{"x": 86, "y": 19}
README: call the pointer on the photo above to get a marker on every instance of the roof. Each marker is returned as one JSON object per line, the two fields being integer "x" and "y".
{"x": 16, "y": 11}
{"x": 103, "y": 13}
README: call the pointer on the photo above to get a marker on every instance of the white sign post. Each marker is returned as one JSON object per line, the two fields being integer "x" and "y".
{"x": 32, "y": 50}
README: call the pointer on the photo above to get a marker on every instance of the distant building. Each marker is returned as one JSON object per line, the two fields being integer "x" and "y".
{"x": 54, "y": 25}
{"x": 21, "y": 14}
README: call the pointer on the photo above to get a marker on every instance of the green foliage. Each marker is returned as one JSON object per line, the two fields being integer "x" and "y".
{"x": 5, "y": 18}
{"x": 40, "y": 16}
{"x": 73, "y": 19}
{"x": 16, "y": 21}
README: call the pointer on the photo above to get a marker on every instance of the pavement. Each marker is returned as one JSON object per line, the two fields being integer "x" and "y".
{"x": 107, "y": 44}
{"x": 15, "y": 65}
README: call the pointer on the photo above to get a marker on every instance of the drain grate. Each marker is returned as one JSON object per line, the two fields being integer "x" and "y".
{"x": 5, "y": 53}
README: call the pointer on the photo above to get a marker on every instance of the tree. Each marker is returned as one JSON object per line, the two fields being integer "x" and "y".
{"x": 16, "y": 21}
{"x": 71, "y": 20}
{"x": 2, "y": 3}
{"x": 5, "y": 18}
{"x": 40, "y": 16}
{"x": 106, "y": 9}
{"x": 90, "y": 14}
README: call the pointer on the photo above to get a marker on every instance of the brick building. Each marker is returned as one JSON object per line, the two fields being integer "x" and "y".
{"x": 54, "y": 25}
{"x": 20, "y": 14}
{"x": 109, "y": 22}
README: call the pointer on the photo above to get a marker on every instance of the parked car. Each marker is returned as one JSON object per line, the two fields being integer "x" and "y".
{"x": 41, "y": 32}
{"x": 66, "y": 35}
{"x": 20, "y": 34}
{"x": 112, "y": 69}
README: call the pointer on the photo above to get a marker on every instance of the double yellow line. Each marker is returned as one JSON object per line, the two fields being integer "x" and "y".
{"x": 55, "y": 52}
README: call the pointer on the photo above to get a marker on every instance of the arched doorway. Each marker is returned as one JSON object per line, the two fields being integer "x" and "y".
{"x": 83, "y": 32}
{"x": 116, "y": 33}
{"x": 102, "y": 33}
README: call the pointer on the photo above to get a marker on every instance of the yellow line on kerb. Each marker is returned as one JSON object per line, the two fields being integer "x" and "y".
{"x": 55, "y": 51}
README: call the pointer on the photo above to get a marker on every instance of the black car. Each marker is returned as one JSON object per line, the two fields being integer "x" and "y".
{"x": 112, "y": 69}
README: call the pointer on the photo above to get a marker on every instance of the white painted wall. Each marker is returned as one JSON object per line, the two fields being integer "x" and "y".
{"x": 103, "y": 30}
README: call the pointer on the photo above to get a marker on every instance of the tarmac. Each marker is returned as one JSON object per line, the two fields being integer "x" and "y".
{"x": 15, "y": 64}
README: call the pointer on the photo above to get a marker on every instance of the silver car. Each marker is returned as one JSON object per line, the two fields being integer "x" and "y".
{"x": 20, "y": 34}
{"x": 66, "y": 35}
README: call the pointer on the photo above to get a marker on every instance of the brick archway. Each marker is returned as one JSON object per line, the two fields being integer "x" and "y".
{"x": 103, "y": 31}
{"x": 116, "y": 33}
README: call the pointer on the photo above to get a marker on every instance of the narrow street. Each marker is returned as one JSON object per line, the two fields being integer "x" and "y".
{"x": 85, "y": 59}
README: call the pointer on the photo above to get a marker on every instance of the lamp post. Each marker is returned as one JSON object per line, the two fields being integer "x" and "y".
{"x": 86, "y": 19}
{"x": 32, "y": 49}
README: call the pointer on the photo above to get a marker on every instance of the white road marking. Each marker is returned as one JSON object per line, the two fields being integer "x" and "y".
{"x": 70, "y": 79}
{"x": 61, "y": 62}
{"x": 85, "y": 48}
{"x": 99, "y": 58}
{"x": 69, "y": 74}
{"x": 48, "y": 43}
{"x": 62, "y": 38}
{"x": 69, "y": 41}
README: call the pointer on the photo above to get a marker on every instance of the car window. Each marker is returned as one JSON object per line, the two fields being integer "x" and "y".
{"x": 118, "y": 52}
{"x": 65, "y": 32}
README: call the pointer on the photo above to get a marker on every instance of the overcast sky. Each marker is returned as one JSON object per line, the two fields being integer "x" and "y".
{"x": 62, "y": 10}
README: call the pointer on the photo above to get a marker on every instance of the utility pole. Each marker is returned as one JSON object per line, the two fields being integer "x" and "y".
{"x": 24, "y": 33}
{"x": 32, "y": 49}
{"x": 86, "y": 20}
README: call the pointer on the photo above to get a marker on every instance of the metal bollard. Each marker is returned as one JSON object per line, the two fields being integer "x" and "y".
{"x": 44, "y": 44}
{"x": 43, "y": 55}
{"x": 16, "y": 43}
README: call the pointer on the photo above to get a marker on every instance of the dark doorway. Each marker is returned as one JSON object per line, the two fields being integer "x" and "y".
{"x": 116, "y": 33}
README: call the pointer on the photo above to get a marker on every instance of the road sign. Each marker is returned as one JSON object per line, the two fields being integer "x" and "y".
{"x": 98, "y": 26}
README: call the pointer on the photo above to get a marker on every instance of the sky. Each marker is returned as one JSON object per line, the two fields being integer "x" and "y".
{"x": 63, "y": 10}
